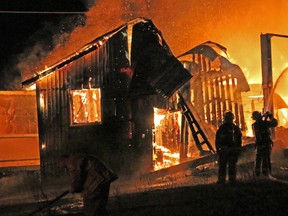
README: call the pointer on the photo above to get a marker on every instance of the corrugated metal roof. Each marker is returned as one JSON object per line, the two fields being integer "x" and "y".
{"x": 156, "y": 69}
{"x": 95, "y": 44}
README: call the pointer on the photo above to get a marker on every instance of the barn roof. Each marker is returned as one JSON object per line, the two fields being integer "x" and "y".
{"x": 216, "y": 52}
{"x": 96, "y": 43}
{"x": 165, "y": 76}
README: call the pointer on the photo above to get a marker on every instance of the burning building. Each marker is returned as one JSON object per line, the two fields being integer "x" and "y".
{"x": 217, "y": 83}
{"x": 116, "y": 98}
{"x": 101, "y": 99}
{"x": 187, "y": 131}
{"x": 127, "y": 99}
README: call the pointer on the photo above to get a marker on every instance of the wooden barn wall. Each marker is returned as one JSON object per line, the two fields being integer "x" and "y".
{"x": 216, "y": 98}
{"x": 214, "y": 92}
{"x": 56, "y": 134}
{"x": 211, "y": 92}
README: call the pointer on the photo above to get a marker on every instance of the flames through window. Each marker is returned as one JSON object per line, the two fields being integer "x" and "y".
{"x": 86, "y": 106}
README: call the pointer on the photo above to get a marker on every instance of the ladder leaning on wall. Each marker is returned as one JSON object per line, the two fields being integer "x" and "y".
{"x": 197, "y": 133}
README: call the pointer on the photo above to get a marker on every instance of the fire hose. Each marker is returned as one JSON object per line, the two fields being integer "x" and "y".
{"x": 50, "y": 203}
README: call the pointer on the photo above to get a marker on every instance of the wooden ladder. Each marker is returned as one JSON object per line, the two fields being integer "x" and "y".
{"x": 197, "y": 133}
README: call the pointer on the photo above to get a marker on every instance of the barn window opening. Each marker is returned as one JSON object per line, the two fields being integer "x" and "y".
{"x": 86, "y": 106}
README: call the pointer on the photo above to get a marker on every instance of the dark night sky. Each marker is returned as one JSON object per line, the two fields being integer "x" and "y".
{"x": 21, "y": 29}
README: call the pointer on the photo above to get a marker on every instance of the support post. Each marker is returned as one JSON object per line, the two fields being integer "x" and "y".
{"x": 267, "y": 78}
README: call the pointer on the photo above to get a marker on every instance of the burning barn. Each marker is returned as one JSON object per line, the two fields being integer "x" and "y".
{"x": 217, "y": 83}
{"x": 101, "y": 99}
{"x": 187, "y": 131}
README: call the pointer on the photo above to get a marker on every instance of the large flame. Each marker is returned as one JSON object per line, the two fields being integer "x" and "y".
{"x": 185, "y": 24}
{"x": 234, "y": 24}
{"x": 166, "y": 145}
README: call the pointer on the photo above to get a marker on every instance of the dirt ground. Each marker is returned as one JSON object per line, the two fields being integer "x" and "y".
{"x": 186, "y": 193}
{"x": 262, "y": 197}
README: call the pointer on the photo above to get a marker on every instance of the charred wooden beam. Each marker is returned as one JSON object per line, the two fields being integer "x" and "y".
{"x": 213, "y": 104}
{"x": 228, "y": 92}
{"x": 218, "y": 102}
{"x": 235, "y": 102}
{"x": 206, "y": 97}
{"x": 223, "y": 94}
{"x": 183, "y": 139}
{"x": 193, "y": 164}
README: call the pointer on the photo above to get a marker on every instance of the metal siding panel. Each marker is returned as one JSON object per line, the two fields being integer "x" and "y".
{"x": 57, "y": 109}
{"x": 59, "y": 102}
{"x": 105, "y": 64}
{"x": 54, "y": 112}
{"x": 71, "y": 77}
{"x": 80, "y": 71}
{"x": 93, "y": 69}
{"x": 106, "y": 68}
{"x": 66, "y": 109}
{"x": 50, "y": 104}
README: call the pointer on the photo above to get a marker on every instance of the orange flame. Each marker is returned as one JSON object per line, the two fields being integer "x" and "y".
{"x": 234, "y": 24}
{"x": 165, "y": 138}
{"x": 185, "y": 24}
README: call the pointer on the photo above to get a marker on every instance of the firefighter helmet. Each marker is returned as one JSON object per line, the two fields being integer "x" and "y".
{"x": 256, "y": 115}
{"x": 228, "y": 116}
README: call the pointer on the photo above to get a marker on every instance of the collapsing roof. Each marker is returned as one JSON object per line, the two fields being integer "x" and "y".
{"x": 154, "y": 68}
{"x": 216, "y": 85}
{"x": 218, "y": 53}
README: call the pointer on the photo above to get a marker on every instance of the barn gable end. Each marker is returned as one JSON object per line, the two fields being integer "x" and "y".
{"x": 100, "y": 99}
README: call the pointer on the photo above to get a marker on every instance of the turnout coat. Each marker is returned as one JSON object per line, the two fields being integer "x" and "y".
{"x": 88, "y": 173}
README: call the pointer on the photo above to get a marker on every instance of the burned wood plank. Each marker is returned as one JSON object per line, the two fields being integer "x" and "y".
{"x": 192, "y": 164}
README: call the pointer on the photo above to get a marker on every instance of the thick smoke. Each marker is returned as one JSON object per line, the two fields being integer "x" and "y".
{"x": 234, "y": 24}
{"x": 52, "y": 35}
{"x": 44, "y": 42}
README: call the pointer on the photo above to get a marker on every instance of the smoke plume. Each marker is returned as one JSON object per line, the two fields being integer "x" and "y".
{"x": 234, "y": 24}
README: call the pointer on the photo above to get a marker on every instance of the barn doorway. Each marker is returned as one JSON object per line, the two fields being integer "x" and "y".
{"x": 166, "y": 138}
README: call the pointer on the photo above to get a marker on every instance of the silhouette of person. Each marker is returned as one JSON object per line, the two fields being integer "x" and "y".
{"x": 92, "y": 177}
{"x": 263, "y": 141}
{"x": 228, "y": 144}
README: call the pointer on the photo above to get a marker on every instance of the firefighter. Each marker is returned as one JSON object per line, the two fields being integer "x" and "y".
{"x": 228, "y": 145}
{"x": 92, "y": 177}
{"x": 263, "y": 141}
